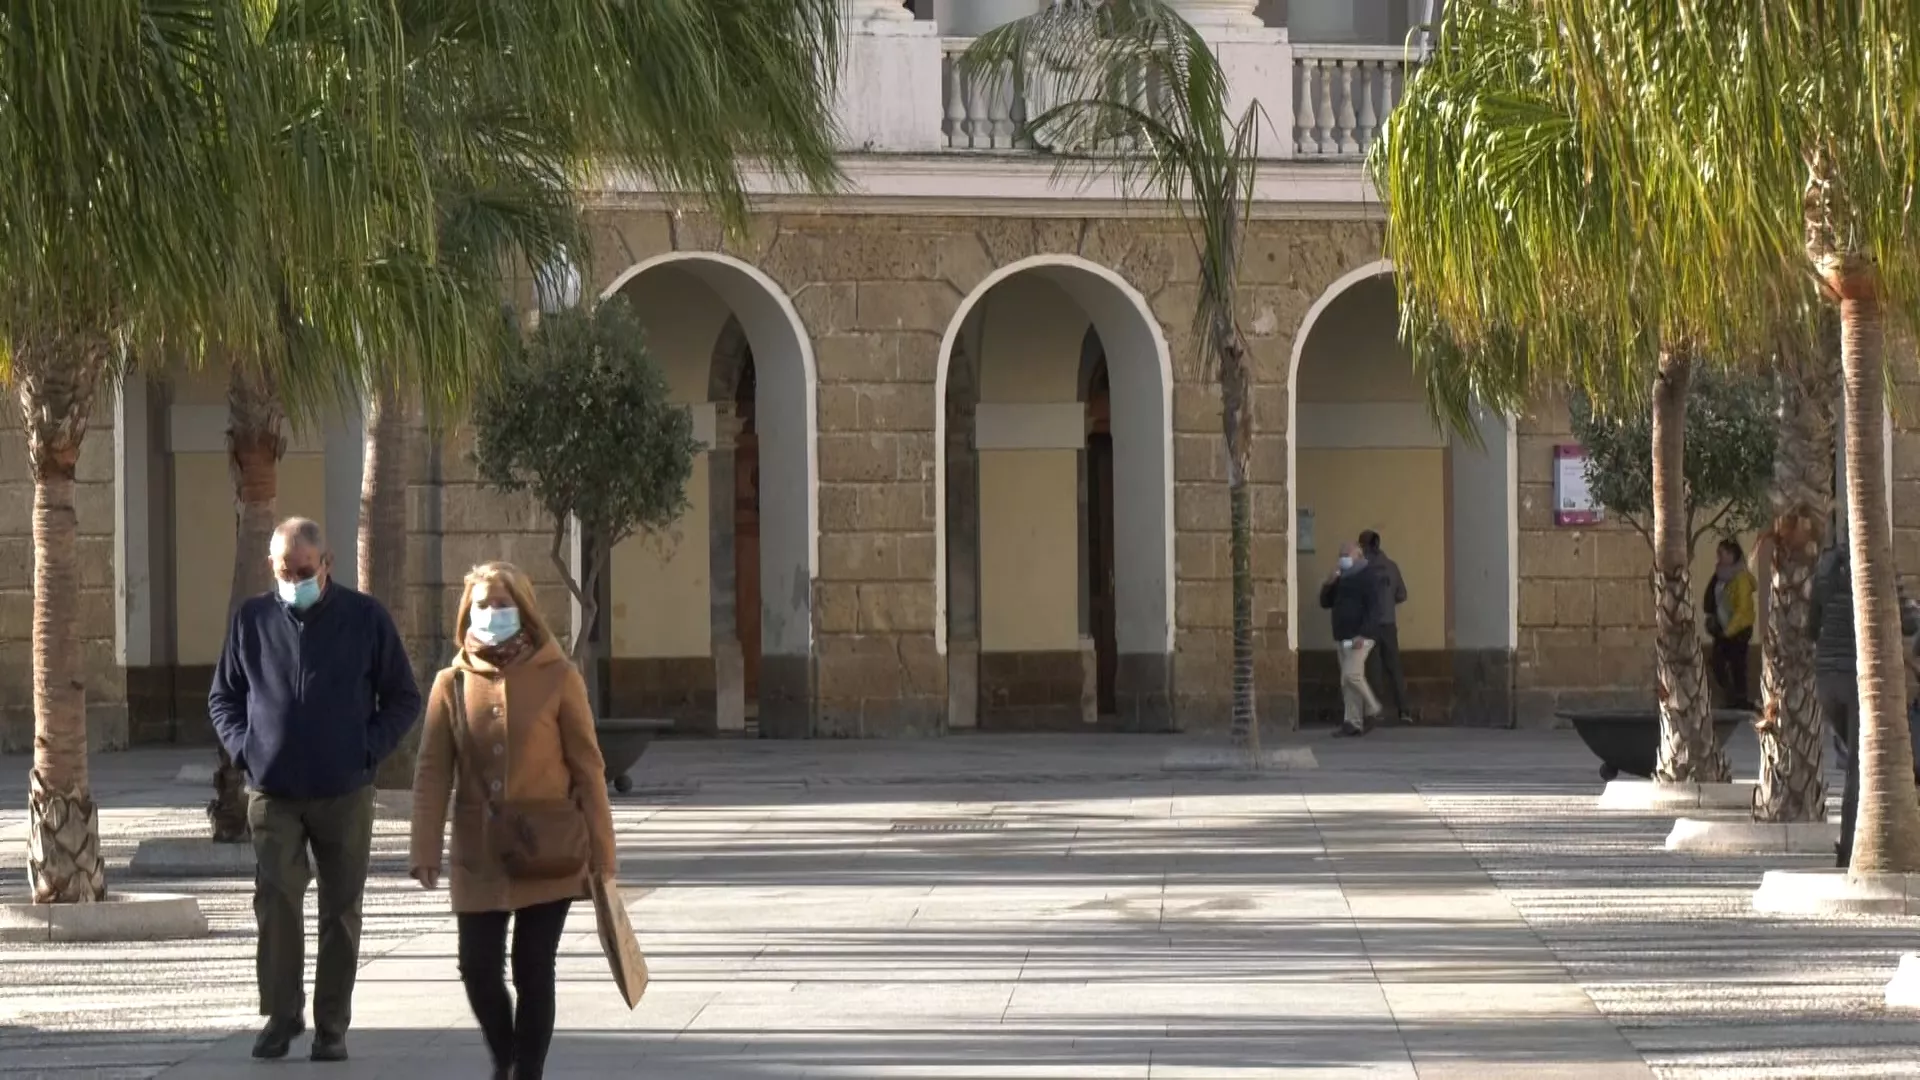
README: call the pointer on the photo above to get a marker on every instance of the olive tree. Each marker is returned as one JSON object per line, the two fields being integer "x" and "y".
{"x": 580, "y": 418}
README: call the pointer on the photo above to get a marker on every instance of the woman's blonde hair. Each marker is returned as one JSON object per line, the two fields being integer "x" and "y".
{"x": 518, "y": 586}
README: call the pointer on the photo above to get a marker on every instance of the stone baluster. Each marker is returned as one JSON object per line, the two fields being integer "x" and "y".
{"x": 1369, "y": 120}
{"x": 979, "y": 129}
{"x": 1346, "y": 119}
{"x": 1303, "y": 140}
{"x": 956, "y": 122}
{"x": 1018, "y": 112}
{"x": 1000, "y": 111}
{"x": 1390, "y": 72}
{"x": 1323, "y": 108}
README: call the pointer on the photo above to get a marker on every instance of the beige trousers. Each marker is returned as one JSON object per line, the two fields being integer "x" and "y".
{"x": 1354, "y": 691}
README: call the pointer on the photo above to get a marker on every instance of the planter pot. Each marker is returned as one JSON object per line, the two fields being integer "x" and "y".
{"x": 622, "y": 743}
{"x": 1627, "y": 741}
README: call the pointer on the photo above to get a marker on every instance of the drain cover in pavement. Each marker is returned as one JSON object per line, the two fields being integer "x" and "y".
{"x": 948, "y": 826}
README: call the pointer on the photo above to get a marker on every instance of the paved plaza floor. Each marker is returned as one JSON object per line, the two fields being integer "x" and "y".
{"x": 1425, "y": 904}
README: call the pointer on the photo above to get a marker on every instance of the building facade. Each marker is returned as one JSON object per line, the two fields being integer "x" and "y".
{"x": 963, "y": 464}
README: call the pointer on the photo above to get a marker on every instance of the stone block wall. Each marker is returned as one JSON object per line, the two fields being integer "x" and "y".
{"x": 106, "y": 682}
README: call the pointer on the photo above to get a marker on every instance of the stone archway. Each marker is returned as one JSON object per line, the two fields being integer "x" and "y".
{"x": 1014, "y": 538}
{"x": 1363, "y": 452}
{"x": 736, "y": 352}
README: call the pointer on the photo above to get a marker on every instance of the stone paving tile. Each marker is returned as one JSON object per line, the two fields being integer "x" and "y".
{"x": 1430, "y": 904}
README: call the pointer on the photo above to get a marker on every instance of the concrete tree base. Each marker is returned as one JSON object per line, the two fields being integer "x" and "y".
{"x": 120, "y": 917}
{"x": 196, "y": 774}
{"x": 1656, "y": 796}
{"x": 196, "y": 857}
{"x": 1225, "y": 759}
{"x": 1736, "y": 836}
{"x": 1837, "y": 892}
{"x": 1903, "y": 991}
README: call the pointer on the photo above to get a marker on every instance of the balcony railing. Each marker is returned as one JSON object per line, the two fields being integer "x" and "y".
{"x": 1342, "y": 93}
{"x": 1327, "y": 102}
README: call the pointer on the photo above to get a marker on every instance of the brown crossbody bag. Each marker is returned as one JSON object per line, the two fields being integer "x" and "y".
{"x": 531, "y": 839}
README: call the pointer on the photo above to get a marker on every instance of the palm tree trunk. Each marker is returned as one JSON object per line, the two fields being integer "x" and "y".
{"x": 256, "y": 441}
{"x": 57, "y": 377}
{"x": 1792, "y": 785}
{"x": 1236, "y": 414}
{"x": 1687, "y": 750}
{"x": 1887, "y": 832}
{"x": 383, "y": 540}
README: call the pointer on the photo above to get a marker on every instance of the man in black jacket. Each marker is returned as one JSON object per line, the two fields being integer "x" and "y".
{"x": 1352, "y": 596}
{"x": 1385, "y": 660}
{"x": 312, "y": 691}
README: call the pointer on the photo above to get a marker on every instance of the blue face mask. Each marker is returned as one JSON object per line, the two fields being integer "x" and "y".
{"x": 493, "y": 625}
{"x": 299, "y": 595}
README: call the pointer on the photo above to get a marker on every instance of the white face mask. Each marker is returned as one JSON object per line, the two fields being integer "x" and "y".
{"x": 493, "y": 625}
{"x": 1346, "y": 562}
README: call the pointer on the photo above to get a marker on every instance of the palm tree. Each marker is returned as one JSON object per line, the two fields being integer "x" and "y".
{"x": 1521, "y": 269}
{"x": 1806, "y": 168}
{"x": 135, "y": 172}
{"x": 1141, "y": 96}
{"x": 1792, "y": 779}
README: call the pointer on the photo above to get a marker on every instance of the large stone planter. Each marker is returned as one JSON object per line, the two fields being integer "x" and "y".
{"x": 1837, "y": 892}
{"x": 1627, "y": 741}
{"x": 1660, "y": 798}
{"x": 120, "y": 917}
{"x": 1732, "y": 836}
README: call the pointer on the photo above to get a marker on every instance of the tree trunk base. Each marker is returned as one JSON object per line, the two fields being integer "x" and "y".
{"x": 63, "y": 845}
{"x": 228, "y": 810}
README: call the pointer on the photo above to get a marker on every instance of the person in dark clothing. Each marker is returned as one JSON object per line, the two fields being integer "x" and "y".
{"x": 1384, "y": 661}
{"x": 1352, "y": 596}
{"x": 312, "y": 692}
{"x": 1836, "y": 682}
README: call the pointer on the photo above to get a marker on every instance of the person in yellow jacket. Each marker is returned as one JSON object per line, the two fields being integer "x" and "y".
{"x": 1730, "y": 611}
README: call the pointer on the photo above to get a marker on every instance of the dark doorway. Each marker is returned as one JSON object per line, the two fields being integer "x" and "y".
{"x": 746, "y": 536}
{"x": 1099, "y": 510}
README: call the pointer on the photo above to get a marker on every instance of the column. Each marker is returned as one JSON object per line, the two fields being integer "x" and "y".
{"x": 890, "y": 88}
{"x": 1221, "y": 13}
{"x": 963, "y": 558}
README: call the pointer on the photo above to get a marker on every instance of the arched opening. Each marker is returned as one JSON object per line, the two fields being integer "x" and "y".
{"x": 1056, "y": 508}
{"x": 1366, "y": 455}
{"x": 712, "y": 625}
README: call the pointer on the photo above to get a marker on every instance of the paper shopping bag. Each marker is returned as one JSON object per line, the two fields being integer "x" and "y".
{"x": 617, "y": 941}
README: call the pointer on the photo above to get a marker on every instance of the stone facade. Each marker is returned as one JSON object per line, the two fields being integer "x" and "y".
{"x": 876, "y": 294}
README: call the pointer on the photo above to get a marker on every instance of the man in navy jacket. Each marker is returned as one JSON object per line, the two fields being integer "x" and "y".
{"x": 312, "y": 691}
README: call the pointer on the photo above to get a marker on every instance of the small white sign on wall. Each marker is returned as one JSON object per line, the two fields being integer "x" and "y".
{"x": 1303, "y": 530}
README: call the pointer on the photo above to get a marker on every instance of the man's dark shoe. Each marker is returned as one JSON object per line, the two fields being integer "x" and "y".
{"x": 1348, "y": 731}
{"x": 277, "y": 1038}
{"x": 329, "y": 1047}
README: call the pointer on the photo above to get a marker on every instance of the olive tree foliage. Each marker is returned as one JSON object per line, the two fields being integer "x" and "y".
{"x": 1732, "y": 431}
{"x": 580, "y": 418}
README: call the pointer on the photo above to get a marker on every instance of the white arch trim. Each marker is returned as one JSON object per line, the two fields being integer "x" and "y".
{"x": 1347, "y": 281}
{"x": 1116, "y": 308}
{"x": 789, "y": 424}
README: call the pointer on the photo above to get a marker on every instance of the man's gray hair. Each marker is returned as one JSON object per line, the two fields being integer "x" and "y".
{"x": 303, "y": 531}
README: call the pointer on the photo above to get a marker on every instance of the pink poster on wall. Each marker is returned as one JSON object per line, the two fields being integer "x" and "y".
{"x": 1572, "y": 498}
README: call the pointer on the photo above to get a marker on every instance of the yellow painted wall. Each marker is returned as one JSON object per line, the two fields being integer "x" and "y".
{"x": 1399, "y": 493}
{"x": 203, "y": 540}
{"x": 1029, "y": 551}
{"x": 662, "y": 589}
{"x": 1031, "y": 334}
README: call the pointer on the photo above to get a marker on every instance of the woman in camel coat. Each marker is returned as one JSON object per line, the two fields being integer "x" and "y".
{"x": 528, "y": 738}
